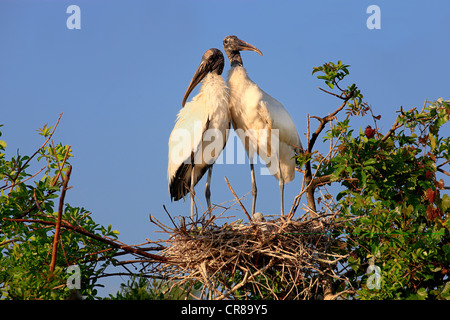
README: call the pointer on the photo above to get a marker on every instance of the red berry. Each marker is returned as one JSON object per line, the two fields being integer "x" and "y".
{"x": 369, "y": 132}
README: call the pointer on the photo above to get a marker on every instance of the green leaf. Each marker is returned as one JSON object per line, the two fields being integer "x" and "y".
{"x": 432, "y": 141}
{"x": 445, "y": 202}
{"x": 354, "y": 263}
{"x": 369, "y": 162}
{"x": 316, "y": 69}
{"x": 422, "y": 294}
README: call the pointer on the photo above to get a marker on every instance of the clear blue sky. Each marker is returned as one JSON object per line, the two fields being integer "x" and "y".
{"x": 120, "y": 80}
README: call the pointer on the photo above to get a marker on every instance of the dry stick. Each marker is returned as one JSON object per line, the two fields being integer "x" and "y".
{"x": 247, "y": 279}
{"x": 164, "y": 207}
{"x": 239, "y": 201}
{"x": 58, "y": 221}
{"x": 298, "y": 197}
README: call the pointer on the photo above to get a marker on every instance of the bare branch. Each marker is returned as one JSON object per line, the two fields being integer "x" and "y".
{"x": 443, "y": 171}
{"x": 239, "y": 201}
{"x": 323, "y": 122}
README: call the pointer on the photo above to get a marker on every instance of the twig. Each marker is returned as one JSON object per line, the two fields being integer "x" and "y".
{"x": 334, "y": 94}
{"x": 60, "y": 166}
{"x": 31, "y": 177}
{"x": 307, "y": 132}
{"x": 239, "y": 201}
{"x": 169, "y": 216}
{"x": 37, "y": 151}
{"x": 323, "y": 121}
{"x": 394, "y": 127}
{"x": 443, "y": 171}
{"x": 82, "y": 231}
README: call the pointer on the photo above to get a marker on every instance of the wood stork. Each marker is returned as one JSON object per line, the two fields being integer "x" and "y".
{"x": 252, "y": 111}
{"x": 201, "y": 130}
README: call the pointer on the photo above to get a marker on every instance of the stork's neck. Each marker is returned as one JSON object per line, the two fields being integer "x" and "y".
{"x": 235, "y": 58}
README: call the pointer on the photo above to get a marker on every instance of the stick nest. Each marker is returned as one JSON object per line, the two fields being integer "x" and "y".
{"x": 273, "y": 259}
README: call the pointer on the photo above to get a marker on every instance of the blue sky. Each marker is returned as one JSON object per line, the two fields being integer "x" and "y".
{"x": 120, "y": 79}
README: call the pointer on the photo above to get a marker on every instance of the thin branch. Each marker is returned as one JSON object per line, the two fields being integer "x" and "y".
{"x": 58, "y": 221}
{"x": 443, "y": 171}
{"x": 31, "y": 177}
{"x": 394, "y": 127}
{"x": 334, "y": 94}
{"x": 164, "y": 207}
{"x": 82, "y": 231}
{"x": 323, "y": 122}
{"x": 37, "y": 151}
{"x": 443, "y": 163}
{"x": 239, "y": 201}
{"x": 60, "y": 166}
{"x": 310, "y": 187}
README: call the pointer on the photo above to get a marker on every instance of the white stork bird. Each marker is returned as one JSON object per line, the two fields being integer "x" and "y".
{"x": 201, "y": 130}
{"x": 255, "y": 115}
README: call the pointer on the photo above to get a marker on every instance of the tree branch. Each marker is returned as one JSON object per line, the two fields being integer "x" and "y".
{"x": 58, "y": 221}
{"x": 323, "y": 122}
{"x": 82, "y": 231}
{"x": 394, "y": 127}
{"x": 37, "y": 151}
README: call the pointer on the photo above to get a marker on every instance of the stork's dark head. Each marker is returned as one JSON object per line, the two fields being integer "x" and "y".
{"x": 232, "y": 45}
{"x": 212, "y": 61}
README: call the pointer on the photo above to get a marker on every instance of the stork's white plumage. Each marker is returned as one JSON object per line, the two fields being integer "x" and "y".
{"x": 201, "y": 130}
{"x": 252, "y": 111}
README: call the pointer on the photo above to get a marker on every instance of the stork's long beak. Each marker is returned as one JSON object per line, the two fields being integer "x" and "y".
{"x": 200, "y": 73}
{"x": 242, "y": 45}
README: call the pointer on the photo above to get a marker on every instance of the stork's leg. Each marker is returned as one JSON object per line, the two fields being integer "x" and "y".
{"x": 281, "y": 184}
{"x": 208, "y": 189}
{"x": 254, "y": 190}
{"x": 282, "y": 196}
{"x": 192, "y": 192}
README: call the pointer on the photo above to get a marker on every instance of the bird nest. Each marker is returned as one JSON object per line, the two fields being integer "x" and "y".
{"x": 277, "y": 258}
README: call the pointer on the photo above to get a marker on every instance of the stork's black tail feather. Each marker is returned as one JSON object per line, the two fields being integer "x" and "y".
{"x": 180, "y": 184}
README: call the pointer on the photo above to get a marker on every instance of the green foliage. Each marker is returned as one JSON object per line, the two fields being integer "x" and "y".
{"x": 333, "y": 73}
{"x": 28, "y": 216}
{"x": 393, "y": 205}
{"x": 141, "y": 288}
